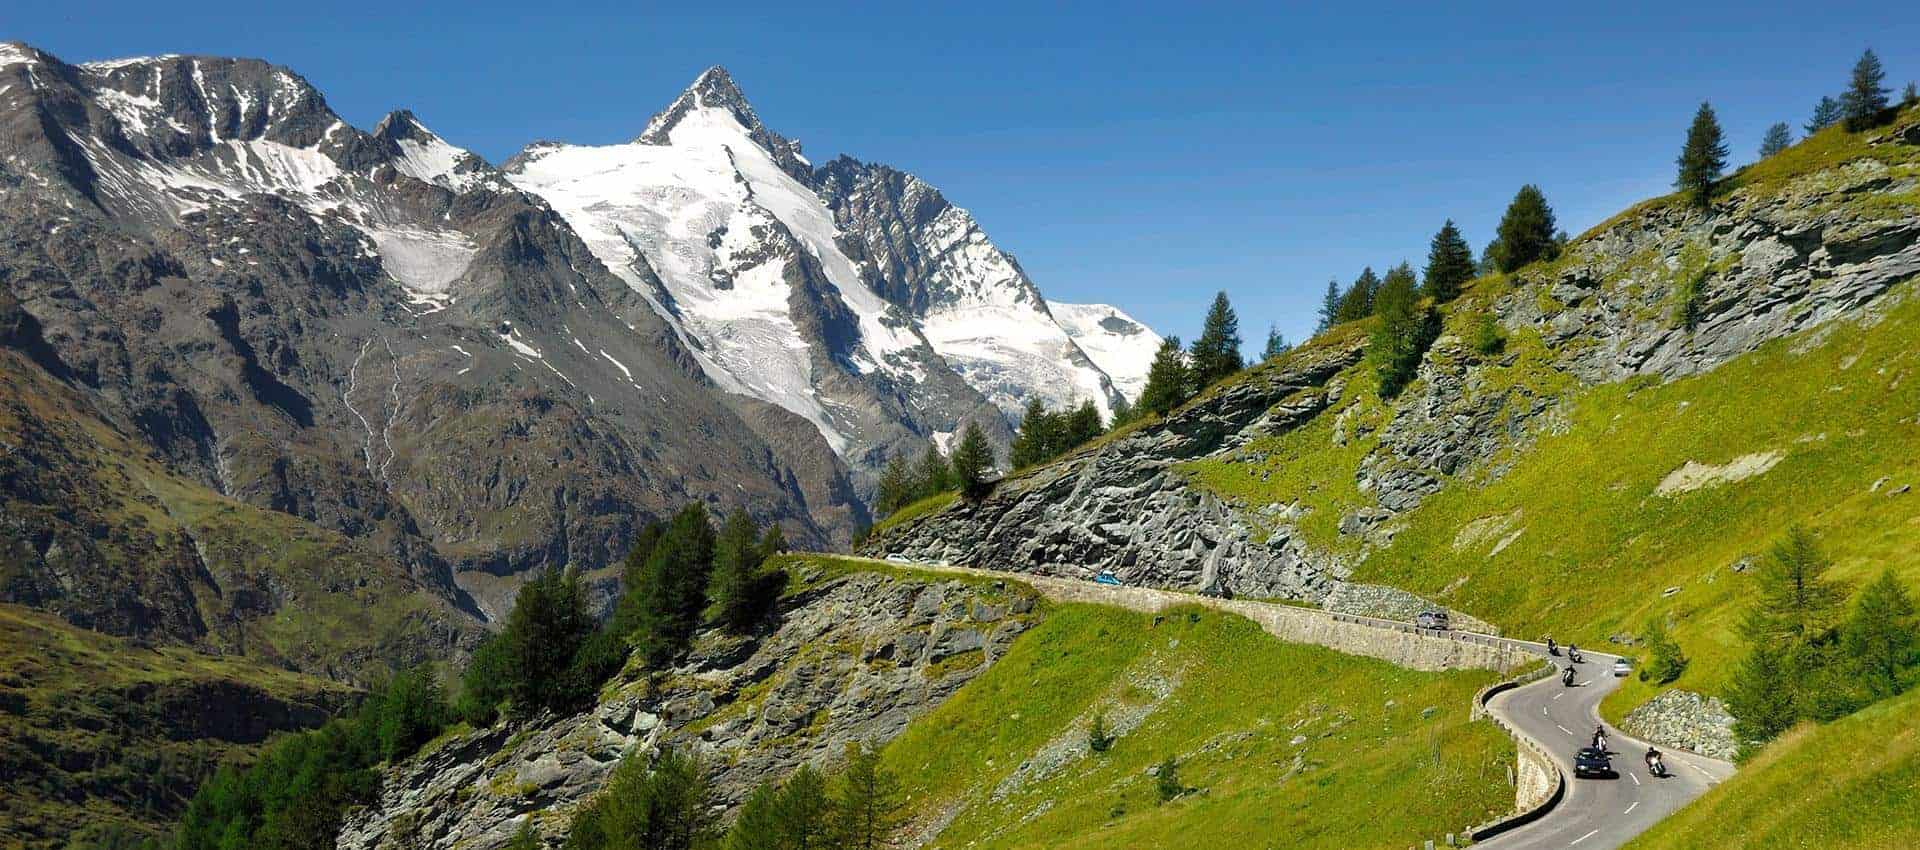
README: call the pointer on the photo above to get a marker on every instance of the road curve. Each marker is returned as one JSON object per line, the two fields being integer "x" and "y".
{"x": 1595, "y": 814}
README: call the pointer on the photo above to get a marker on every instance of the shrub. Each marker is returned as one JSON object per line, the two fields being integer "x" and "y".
{"x": 1665, "y": 663}
{"x": 1166, "y": 780}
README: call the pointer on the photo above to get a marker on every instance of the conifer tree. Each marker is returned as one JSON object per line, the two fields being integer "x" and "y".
{"x": 1665, "y": 662}
{"x": 1083, "y": 424}
{"x": 1797, "y": 603}
{"x": 1702, "y": 158}
{"x": 805, "y": 811}
{"x": 1881, "y": 637}
{"x": 1777, "y": 139}
{"x": 632, "y": 572}
{"x": 933, "y": 475}
{"x": 896, "y": 487}
{"x": 1449, "y": 264}
{"x": 674, "y": 589}
{"x": 1122, "y": 411}
{"x": 1167, "y": 780}
{"x": 773, "y": 542}
{"x": 972, "y": 462}
{"x": 737, "y": 590}
{"x": 1168, "y": 383}
{"x": 1329, "y": 307}
{"x": 548, "y": 623}
{"x": 868, "y": 806}
{"x": 1406, "y": 328}
{"x": 1527, "y": 231}
{"x": 1761, "y": 696}
{"x": 1039, "y": 434}
{"x": 1865, "y": 97}
{"x": 1909, "y": 96}
{"x": 1276, "y": 344}
{"x": 757, "y": 826}
{"x": 1216, "y": 354}
{"x": 1826, "y": 113}
{"x": 663, "y": 806}
{"x": 1357, "y": 302}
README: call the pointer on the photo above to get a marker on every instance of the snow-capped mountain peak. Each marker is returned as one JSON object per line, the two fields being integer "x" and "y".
{"x": 425, "y": 156}
{"x": 715, "y": 91}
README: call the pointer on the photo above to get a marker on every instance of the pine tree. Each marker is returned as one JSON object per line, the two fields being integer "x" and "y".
{"x": 1099, "y": 740}
{"x": 1406, "y": 328}
{"x": 548, "y": 623}
{"x": 1703, "y": 157}
{"x": 1865, "y": 97}
{"x": 1083, "y": 424}
{"x": 1216, "y": 354}
{"x": 737, "y": 591}
{"x": 1909, "y": 96}
{"x": 1329, "y": 307}
{"x": 1449, "y": 264}
{"x": 933, "y": 475}
{"x": 632, "y": 571}
{"x": 1778, "y": 138}
{"x": 1881, "y": 637}
{"x": 1122, "y": 411}
{"x": 1357, "y": 302}
{"x": 1797, "y": 602}
{"x": 1489, "y": 257}
{"x": 805, "y": 811}
{"x": 664, "y": 806}
{"x": 868, "y": 806}
{"x": 773, "y": 542}
{"x": 1039, "y": 438}
{"x": 896, "y": 486}
{"x": 1527, "y": 230}
{"x": 1276, "y": 345}
{"x": 972, "y": 462}
{"x": 674, "y": 589}
{"x": 1826, "y": 113}
{"x": 1168, "y": 382}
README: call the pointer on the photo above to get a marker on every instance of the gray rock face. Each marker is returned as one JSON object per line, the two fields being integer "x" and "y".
{"x": 1685, "y": 720}
{"x": 854, "y": 659}
{"x": 1122, "y": 507}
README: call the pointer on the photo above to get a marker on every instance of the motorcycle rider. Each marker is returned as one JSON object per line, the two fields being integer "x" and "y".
{"x": 1573, "y": 652}
{"x": 1599, "y": 737}
{"x": 1552, "y": 648}
{"x": 1655, "y": 765}
{"x": 1566, "y": 677}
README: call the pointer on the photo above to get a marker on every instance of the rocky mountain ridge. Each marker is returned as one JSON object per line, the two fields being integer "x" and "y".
{"x": 1659, "y": 292}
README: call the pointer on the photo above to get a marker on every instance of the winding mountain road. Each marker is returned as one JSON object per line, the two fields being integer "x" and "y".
{"x": 1594, "y": 814}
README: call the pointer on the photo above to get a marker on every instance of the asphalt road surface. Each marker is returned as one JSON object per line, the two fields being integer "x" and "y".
{"x": 1597, "y": 814}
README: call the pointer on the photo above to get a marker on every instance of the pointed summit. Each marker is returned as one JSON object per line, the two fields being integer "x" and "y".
{"x": 715, "y": 90}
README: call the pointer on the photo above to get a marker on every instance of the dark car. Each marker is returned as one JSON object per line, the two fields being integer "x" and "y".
{"x": 1592, "y": 761}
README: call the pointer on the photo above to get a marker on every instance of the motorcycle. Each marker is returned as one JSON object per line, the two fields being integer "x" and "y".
{"x": 1600, "y": 740}
{"x": 1566, "y": 677}
{"x": 1552, "y": 648}
{"x": 1657, "y": 767}
{"x": 1574, "y": 655}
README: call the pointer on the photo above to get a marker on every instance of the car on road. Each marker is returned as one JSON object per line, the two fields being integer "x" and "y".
{"x": 899, "y": 558}
{"x": 1107, "y": 577}
{"x": 1621, "y": 667}
{"x": 1431, "y": 620}
{"x": 1592, "y": 761}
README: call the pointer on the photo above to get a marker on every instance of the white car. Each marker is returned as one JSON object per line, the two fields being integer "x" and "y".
{"x": 1621, "y": 667}
{"x": 899, "y": 558}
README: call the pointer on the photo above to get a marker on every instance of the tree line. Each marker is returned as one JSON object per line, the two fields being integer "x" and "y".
{"x": 551, "y": 655}
{"x": 667, "y": 804}
{"x": 1811, "y": 655}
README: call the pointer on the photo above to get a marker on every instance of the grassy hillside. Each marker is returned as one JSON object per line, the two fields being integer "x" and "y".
{"x": 103, "y": 737}
{"x": 1851, "y": 783}
{"x": 1279, "y": 743}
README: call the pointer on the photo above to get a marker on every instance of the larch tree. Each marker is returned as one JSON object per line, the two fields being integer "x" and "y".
{"x": 1778, "y": 138}
{"x": 1357, "y": 302}
{"x": 1449, "y": 264}
{"x": 1826, "y": 113}
{"x": 1276, "y": 344}
{"x": 1702, "y": 158}
{"x": 973, "y": 462}
{"x": 1329, "y": 306}
{"x": 1407, "y": 326}
{"x": 1881, "y": 637}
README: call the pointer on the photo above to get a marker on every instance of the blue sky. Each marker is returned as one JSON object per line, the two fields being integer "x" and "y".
{"x": 1125, "y": 153}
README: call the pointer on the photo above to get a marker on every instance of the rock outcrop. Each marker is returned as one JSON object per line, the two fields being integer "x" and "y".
{"x": 1687, "y": 721}
{"x": 853, "y": 658}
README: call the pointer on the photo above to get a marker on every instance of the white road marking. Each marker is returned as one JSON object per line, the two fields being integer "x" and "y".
{"x": 1564, "y": 729}
{"x": 1636, "y": 804}
{"x": 1581, "y": 838}
{"x": 1543, "y": 711}
{"x": 1584, "y": 684}
{"x": 1636, "y": 779}
{"x": 1555, "y": 696}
